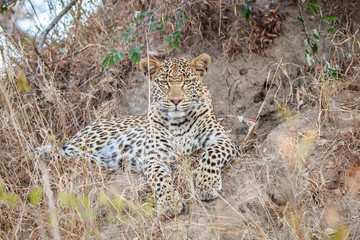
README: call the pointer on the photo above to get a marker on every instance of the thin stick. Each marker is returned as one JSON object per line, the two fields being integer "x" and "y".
{"x": 303, "y": 22}
{"x": 305, "y": 30}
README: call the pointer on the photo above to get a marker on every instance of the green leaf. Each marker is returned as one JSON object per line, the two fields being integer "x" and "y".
{"x": 153, "y": 26}
{"x": 105, "y": 62}
{"x": 138, "y": 50}
{"x": 250, "y": 4}
{"x": 243, "y": 10}
{"x": 113, "y": 51}
{"x": 117, "y": 58}
{"x": 300, "y": 19}
{"x": 330, "y": 30}
{"x": 315, "y": 4}
{"x": 160, "y": 28}
{"x": 122, "y": 55}
{"x": 326, "y": 22}
{"x": 331, "y": 18}
{"x": 111, "y": 62}
{"x": 235, "y": 11}
{"x": 135, "y": 57}
{"x": 168, "y": 40}
{"x": 335, "y": 73}
{"x": 176, "y": 45}
{"x": 315, "y": 11}
{"x": 131, "y": 53}
{"x": 107, "y": 55}
{"x": 185, "y": 16}
{"x": 314, "y": 48}
{"x": 316, "y": 36}
{"x": 3, "y": 10}
{"x": 248, "y": 15}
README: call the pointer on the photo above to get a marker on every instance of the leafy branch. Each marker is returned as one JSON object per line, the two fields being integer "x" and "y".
{"x": 314, "y": 8}
{"x": 245, "y": 9}
{"x": 144, "y": 21}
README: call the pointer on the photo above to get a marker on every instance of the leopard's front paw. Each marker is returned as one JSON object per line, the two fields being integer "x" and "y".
{"x": 169, "y": 206}
{"x": 208, "y": 187}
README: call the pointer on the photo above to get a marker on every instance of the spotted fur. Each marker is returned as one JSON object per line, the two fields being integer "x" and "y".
{"x": 181, "y": 120}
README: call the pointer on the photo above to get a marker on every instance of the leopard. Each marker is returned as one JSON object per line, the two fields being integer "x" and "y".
{"x": 180, "y": 120}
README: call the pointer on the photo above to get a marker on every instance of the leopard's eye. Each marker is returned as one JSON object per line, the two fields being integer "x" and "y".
{"x": 163, "y": 83}
{"x": 187, "y": 82}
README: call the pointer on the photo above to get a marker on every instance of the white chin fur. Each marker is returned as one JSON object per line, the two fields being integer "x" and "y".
{"x": 176, "y": 114}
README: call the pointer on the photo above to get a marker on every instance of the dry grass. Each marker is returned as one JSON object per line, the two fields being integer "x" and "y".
{"x": 43, "y": 196}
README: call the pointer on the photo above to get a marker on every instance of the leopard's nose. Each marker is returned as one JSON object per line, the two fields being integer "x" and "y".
{"x": 176, "y": 100}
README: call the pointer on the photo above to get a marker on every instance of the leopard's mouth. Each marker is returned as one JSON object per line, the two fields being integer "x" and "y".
{"x": 166, "y": 107}
{"x": 176, "y": 114}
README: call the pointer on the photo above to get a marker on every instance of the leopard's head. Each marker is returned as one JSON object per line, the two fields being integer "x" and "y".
{"x": 177, "y": 84}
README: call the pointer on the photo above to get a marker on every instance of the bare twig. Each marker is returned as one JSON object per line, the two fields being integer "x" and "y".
{"x": 305, "y": 29}
{"x": 54, "y": 22}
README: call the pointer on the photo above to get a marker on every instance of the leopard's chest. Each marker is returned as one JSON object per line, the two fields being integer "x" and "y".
{"x": 184, "y": 135}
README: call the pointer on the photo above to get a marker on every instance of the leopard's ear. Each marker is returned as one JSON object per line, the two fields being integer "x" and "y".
{"x": 201, "y": 64}
{"x": 149, "y": 66}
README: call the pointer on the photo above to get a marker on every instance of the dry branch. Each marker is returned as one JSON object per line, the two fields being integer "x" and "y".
{"x": 54, "y": 22}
